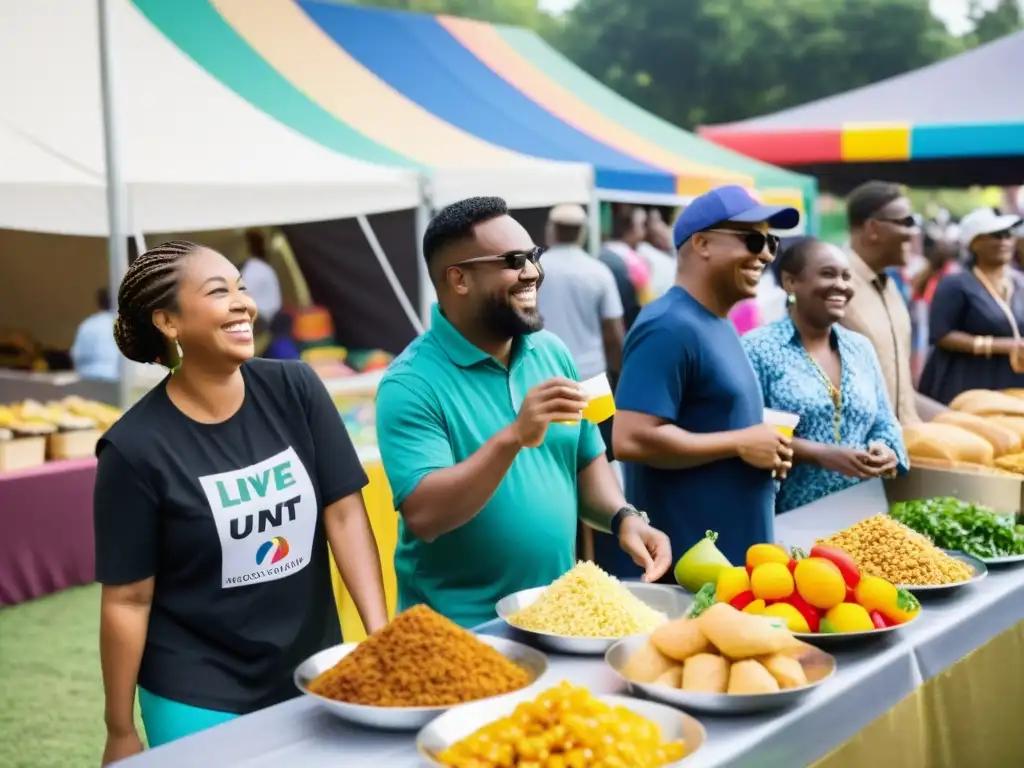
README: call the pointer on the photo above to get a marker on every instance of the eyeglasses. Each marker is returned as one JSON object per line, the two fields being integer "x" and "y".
{"x": 755, "y": 241}
{"x": 512, "y": 260}
{"x": 907, "y": 222}
{"x": 1003, "y": 234}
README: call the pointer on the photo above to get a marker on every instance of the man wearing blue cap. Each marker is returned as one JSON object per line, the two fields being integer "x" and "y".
{"x": 690, "y": 410}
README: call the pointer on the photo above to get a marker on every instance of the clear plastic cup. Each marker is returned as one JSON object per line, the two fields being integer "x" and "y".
{"x": 782, "y": 421}
{"x": 601, "y": 405}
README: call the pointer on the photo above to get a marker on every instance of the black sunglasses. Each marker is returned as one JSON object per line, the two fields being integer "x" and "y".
{"x": 512, "y": 260}
{"x": 756, "y": 242}
{"x": 1003, "y": 234}
{"x": 908, "y": 222}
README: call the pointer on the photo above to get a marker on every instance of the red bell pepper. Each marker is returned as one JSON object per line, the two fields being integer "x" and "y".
{"x": 878, "y": 620}
{"x": 851, "y": 596}
{"x": 845, "y": 563}
{"x": 795, "y": 556}
{"x": 808, "y": 611}
{"x": 742, "y": 600}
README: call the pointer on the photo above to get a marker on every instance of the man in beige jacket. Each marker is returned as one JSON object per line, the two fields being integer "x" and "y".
{"x": 882, "y": 223}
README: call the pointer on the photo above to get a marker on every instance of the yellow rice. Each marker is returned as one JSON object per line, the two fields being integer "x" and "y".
{"x": 587, "y": 602}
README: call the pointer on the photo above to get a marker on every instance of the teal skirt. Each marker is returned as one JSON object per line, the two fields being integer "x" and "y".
{"x": 166, "y": 720}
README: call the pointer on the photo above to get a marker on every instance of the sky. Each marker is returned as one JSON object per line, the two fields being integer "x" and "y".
{"x": 953, "y": 12}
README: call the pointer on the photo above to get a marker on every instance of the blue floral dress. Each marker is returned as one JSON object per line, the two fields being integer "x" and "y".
{"x": 791, "y": 382}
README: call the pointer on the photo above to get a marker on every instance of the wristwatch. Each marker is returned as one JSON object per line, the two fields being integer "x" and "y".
{"x": 627, "y": 511}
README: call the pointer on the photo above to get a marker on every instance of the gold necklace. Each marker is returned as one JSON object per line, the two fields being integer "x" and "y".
{"x": 835, "y": 394}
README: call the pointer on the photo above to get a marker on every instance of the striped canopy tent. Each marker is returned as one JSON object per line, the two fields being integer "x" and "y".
{"x": 958, "y": 122}
{"x": 461, "y": 99}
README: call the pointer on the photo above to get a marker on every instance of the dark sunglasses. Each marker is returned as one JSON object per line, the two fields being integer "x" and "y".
{"x": 907, "y": 222}
{"x": 756, "y": 242}
{"x": 512, "y": 260}
{"x": 1003, "y": 234}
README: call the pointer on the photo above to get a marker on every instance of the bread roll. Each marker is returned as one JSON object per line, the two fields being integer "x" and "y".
{"x": 1003, "y": 439}
{"x": 984, "y": 402}
{"x": 947, "y": 442}
{"x": 1016, "y": 423}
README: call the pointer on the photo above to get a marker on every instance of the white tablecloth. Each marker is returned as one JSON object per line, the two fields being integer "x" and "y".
{"x": 870, "y": 680}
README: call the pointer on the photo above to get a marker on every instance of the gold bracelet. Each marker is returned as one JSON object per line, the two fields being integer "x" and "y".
{"x": 988, "y": 346}
{"x": 978, "y": 342}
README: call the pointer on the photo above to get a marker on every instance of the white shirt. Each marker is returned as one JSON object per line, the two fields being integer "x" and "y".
{"x": 577, "y": 295}
{"x": 261, "y": 283}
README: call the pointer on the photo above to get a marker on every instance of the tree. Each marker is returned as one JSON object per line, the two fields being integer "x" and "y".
{"x": 723, "y": 60}
{"x": 992, "y": 23}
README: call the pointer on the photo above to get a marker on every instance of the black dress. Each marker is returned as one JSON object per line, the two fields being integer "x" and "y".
{"x": 962, "y": 303}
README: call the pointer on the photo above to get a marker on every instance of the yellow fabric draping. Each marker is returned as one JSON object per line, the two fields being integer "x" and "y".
{"x": 384, "y": 520}
{"x": 969, "y": 715}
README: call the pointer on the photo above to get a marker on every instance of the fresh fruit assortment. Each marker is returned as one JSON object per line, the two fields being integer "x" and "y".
{"x": 722, "y": 651}
{"x": 823, "y": 591}
{"x": 700, "y": 564}
{"x": 883, "y": 547}
{"x": 955, "y": 524}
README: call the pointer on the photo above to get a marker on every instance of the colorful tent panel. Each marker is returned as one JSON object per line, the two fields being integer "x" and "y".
{"x": 415, "y": 55}
{"x": 192, "y": 154}
{"x": 905, "y": 118}
{"x": 461, "y": 163}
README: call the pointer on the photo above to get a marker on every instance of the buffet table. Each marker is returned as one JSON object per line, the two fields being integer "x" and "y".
{"x": 870, "y": 682}
{"x": 46, "y": 543}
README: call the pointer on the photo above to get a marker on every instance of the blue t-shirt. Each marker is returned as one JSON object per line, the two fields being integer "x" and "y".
{"x": 686, "y": 365}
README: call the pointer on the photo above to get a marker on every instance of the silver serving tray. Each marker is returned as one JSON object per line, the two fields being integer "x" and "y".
{"x": 405, "y": 718}
{"x": 671, "y": 601}
{"x": 980, "y": 572}
{"x": 833, "y": 639}
{"x": 462, "y": 721}
{"x": 818, "y": 666}
{"x": 1002, "y": 560}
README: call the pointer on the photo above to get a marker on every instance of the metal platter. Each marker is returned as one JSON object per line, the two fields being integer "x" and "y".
{"x": 818, "y": 666}
{"x": 978, "y": 566}
{"x": 405, "y": 718}
{"x": 1002, "y": 560}
{"x": 834, "y": 639}
{"x": 671, "y": 601}
{"x": 457, "y": 724}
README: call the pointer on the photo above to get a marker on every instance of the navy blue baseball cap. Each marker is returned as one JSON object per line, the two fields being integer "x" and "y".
{"x": 732, "y": 203}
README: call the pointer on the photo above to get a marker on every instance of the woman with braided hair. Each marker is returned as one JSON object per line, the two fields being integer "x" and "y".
{"x": 216, "y": 497}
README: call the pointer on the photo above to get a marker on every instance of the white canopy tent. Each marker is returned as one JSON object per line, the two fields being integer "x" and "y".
{"x": 193, "y": 154}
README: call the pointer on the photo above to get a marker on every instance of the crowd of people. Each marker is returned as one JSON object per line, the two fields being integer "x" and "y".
{"x": 218, "y": 493}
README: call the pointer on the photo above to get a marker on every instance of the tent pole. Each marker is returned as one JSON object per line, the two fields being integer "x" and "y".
{"x": 594, "y": 222}
{"x": 427, "y": 294}
{"x": 116, "y": 198}
{"x": 389, "y": 273}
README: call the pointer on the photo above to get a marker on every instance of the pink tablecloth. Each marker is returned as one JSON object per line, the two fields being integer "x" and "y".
{"x": 46, "y": 538}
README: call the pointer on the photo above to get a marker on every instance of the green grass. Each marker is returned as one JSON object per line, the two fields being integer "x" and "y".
{"x": 51, "y": 692}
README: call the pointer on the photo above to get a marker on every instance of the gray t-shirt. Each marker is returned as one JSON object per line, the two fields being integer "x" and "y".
{"x": 579, "y": 293}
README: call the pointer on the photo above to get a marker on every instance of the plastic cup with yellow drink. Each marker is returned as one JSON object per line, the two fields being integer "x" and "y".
{"x": 784, "y": 422}
{"x": 600, "y": 401}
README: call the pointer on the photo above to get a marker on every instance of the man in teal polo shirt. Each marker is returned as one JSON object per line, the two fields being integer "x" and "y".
{"x": 479, "y": 428}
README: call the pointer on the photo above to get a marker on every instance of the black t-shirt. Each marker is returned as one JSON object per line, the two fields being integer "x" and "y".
{"x": 228, "y": 519}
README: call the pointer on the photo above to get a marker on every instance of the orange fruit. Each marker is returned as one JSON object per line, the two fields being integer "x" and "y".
{"x": 849, "y": 617}
{"x": 820, "y": 582}
{"x": 731, "y": 582}
{"x": 758, "y": 554}
{"x": 755, "y": 607}
{"x": 772, "y": 581}
{"x": 795, "y": 621}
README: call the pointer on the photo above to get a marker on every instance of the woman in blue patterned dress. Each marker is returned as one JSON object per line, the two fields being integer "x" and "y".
{"x": 810, "y": 365}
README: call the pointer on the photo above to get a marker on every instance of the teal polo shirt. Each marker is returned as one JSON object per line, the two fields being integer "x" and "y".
{"x": 439, "y": 401}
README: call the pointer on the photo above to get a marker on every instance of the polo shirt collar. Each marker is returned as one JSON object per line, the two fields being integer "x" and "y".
{"x": 461, "y": 350}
